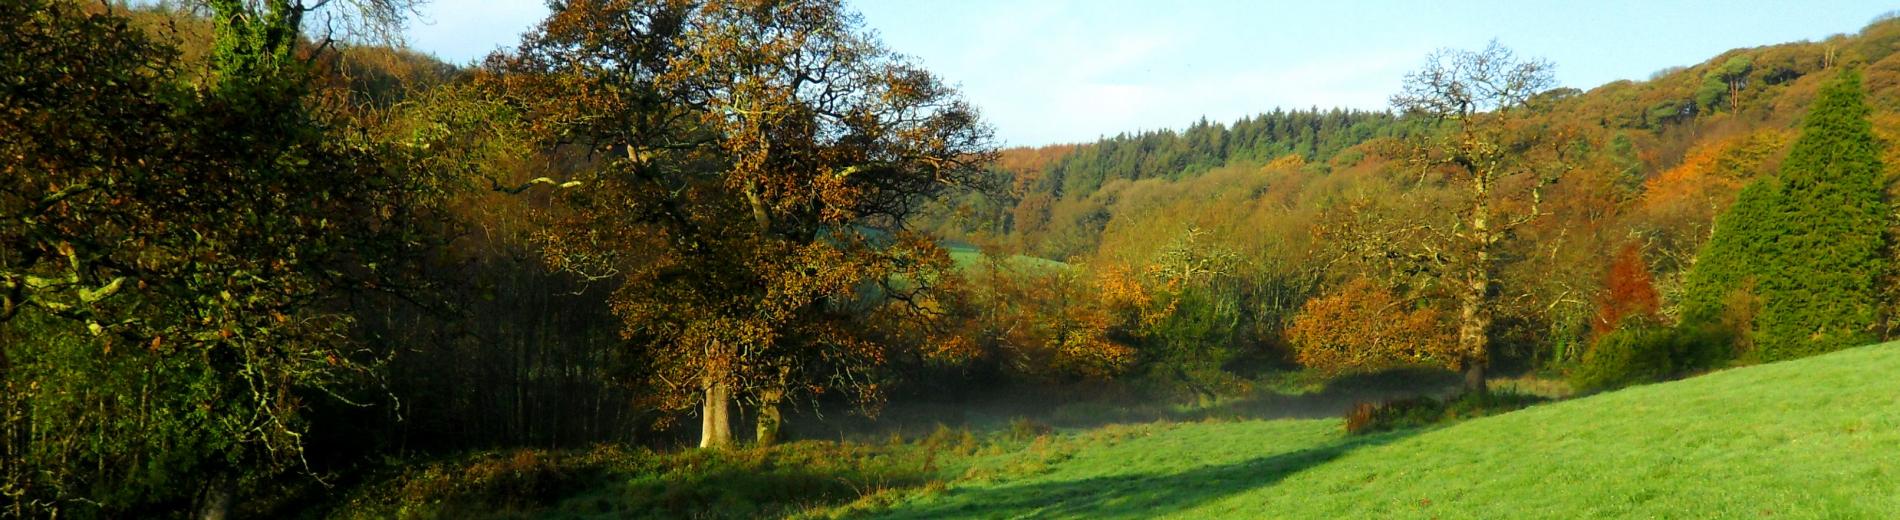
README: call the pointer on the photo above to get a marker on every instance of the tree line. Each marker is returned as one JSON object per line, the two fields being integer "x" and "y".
{"x": 1500, "y": 220}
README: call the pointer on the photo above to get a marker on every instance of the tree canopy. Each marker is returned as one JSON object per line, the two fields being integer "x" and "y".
{"x": 765, "y": 161}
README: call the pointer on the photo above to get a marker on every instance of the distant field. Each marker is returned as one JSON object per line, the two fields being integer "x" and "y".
{"x": 969, "y": 257}
{"x": 1814, "y": 438}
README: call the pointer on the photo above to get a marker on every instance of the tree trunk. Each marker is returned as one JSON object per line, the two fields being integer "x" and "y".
{"x": 1474, "y": 377}
{"x": 1474, "y": 325}
{"x": 218, "y": 498}
{"x": 1474, "y": 330}
{"x": 760, "y": 215}
{"x": 770, "y": 419}
{"x": 715, "y": 429}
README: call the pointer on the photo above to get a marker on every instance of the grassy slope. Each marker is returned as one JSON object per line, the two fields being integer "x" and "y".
{"x": 1818, "y": 437}
{"x": 968, "y": 257}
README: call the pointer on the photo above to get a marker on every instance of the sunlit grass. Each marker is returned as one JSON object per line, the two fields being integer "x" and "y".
{"x": 968, "y": 258}
{"x": 1815, "y": 438}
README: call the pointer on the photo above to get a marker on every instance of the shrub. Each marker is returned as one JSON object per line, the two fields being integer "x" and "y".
{"x": 773, "y": 482}
{"x": 1367, "y": 417}
{"x": 1641, "y": 351}
{"x": 486, "y": 483}
{"x": 1625, "y": 356}
{"x": 1364, "y": 326}
{"x": 1359, "y": 419}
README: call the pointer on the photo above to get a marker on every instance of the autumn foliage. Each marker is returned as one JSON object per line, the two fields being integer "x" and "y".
{"x": 1362, "y": 326}
{"x": 761, "y": 162}
{"x": 1042, "y": 324}
{"x": 1628, "y": 291}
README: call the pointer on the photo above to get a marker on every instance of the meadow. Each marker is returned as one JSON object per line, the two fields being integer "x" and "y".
{"x": 1794, "y": 439}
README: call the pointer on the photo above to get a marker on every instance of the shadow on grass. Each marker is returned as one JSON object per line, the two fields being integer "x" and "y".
{"x": 756, "y": 483}
{"x": 1140, "y": 495}
{"x": 739, "y": 493}
{"x": 1063, "y": 410}
{"x": 1333, "y": 399}
{"x": 608, "y": 482}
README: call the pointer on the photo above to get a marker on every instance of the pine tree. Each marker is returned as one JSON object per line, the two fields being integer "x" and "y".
{"x": 1830, "y": 257}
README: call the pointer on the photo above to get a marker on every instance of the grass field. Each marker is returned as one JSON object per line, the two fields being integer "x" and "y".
{"x": 1814, "y": 438}
{"x": 967, "y": 257}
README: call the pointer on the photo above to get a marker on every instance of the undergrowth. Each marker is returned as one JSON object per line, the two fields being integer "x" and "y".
{"x": 795, "y": 479}
{"x": 1369, "y": 417}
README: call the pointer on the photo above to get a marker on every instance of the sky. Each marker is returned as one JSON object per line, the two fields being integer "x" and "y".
{"x": 1058, "y": 71}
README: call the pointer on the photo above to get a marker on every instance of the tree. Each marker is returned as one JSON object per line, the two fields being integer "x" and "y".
{"x": 1804, "y": 253}
{"x": 1362, "y": 326}
{"x": 1628, "y": 290}
{"x": 176, "y": 264}
{"x": 1821, "y": 288}
{"x": 1189, "y": 315}
{"x": 1031, "y": 321}
{"x": 1743, "y": 244}
{"x": 1490, "y": 150}
{"x": 765, "y": 160}
{"x": 1724, "y": 84}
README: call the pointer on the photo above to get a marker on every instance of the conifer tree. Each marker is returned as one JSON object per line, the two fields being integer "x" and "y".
{"x": 1732, "y": 260}
{"x": 1829, "y": 254}
{"x": 1809, "y": 244}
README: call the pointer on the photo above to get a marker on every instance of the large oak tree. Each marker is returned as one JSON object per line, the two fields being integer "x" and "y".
{"x": 1486, "y": 146}
{"x": 758, "y": 162}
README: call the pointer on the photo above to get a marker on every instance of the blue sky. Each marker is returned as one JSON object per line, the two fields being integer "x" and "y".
{"x": 1050, "y": 71}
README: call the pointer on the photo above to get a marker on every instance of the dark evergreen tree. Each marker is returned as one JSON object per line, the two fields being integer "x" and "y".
{"x": 1809, "y": 245}
{"x": 1734, "y": 258}
{"x": 1822, "y": 293}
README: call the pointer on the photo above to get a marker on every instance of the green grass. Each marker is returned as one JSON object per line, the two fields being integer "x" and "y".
{"x": 1814, "y": 438}
{"x": 608, "y": 482}
{"x": 969, "y": 257}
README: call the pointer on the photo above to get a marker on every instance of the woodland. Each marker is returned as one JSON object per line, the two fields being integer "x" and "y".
{"x": 737, "y": 258}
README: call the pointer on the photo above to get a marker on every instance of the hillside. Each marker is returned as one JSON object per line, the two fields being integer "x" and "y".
{"x": 1802, "y": 438}
{"x": 970, "y": 257}
{"x": 1643, "y": 135}
{"x": 1292, "y": 204}
{"x": 1788, "y": 439}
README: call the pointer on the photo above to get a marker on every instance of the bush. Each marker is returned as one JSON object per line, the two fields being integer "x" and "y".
{"x": 1024, "y": 428}
{"x": 1641, "y": 351}
{"x": 1367, "y": 417}
{"x": 610, "y": 482}
{"x": 485, "y": 483}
